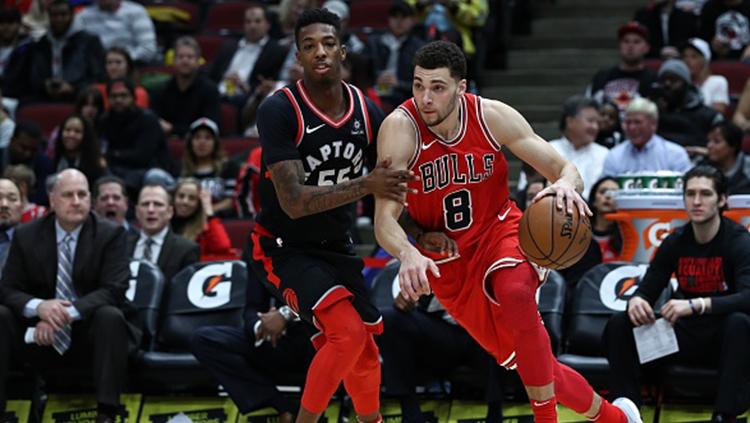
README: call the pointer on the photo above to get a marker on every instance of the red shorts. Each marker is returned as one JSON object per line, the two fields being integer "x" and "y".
{"x": 462, "y": 287}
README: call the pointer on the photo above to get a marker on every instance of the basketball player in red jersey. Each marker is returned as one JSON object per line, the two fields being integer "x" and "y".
{"x": 452, "y": 140}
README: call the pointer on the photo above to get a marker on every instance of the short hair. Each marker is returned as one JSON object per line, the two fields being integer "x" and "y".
{"x": 110, "y": 179}
{"x": 188, "y": 41}
{"x": 124, "y": 53}
{"x": 442, "y": 54}
{"x": 163, "y": 188}
{"x": 87, "y": 93}
{"x": 257, "y": 5}
{"x": 721, "y": 182}
{"x": 15, "y": 183}
{"x": 574, "y": 105}
{"x": 21, "y": 174}
{"x": 65, "y": 3}
{"x": 28, "y": 128}
{"x": 731, "y": 133}
{"x": 313, "y": 16}
{"x": 643, "y": 105}
{"x": 127, "y": 82}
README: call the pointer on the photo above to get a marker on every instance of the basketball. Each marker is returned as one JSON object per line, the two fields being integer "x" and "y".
{"x": 552, "y": 238}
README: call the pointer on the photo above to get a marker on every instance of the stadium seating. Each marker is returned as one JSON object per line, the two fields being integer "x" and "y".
{"x": 238, "y": 145}
{"x": 373, "y": 13}
{"x": 239, "y": 231}
{"x": 47, "y": 115}
{"x": 210, "y": 45}
{"x": 228, "y": 119}
{"x": 203, "y": 294}
{"x": 551, "y": 300}
{"x": 145, "y": 292}
{"x": 226, "y": 18}
{"x": 736, "y": 73}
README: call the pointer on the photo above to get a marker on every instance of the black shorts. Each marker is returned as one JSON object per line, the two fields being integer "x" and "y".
{"x": 312, "y": 277}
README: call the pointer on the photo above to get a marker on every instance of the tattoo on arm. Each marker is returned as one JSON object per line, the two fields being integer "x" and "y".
{"x": 298, "y": 199}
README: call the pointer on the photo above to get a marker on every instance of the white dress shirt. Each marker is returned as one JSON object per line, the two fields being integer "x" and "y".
{"x": 158, "y": 239}
{"x": 244, "y": 59}
{"x": 589, "y": 160}
{"x": 29, "y": 311}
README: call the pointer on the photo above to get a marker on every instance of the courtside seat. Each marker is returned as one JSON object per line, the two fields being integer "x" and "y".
{"x": 203, "y": 294}
{"x": 47, "y": 115}
{"x": 145, "y": 292}
{"x": 551, "y": 300}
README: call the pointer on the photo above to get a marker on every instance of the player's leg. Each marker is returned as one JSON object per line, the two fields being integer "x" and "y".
{"x": 345, "y": 339}
{"x": 362, "y": 383}
{"x": 546, "y": 380}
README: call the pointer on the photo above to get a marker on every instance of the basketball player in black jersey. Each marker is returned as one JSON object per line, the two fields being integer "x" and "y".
{"x": 316, "y": 135}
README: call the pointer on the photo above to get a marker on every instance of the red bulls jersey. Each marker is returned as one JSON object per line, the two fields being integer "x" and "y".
{"x": 463, "y": 186}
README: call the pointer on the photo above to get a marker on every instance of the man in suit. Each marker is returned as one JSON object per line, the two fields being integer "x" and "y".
{"x": 65, "y": 278}
{"x": 156, "y": 242}
{"x": 255, "y": 60}
{"x": 111, "y": 201}
{"x": 11, "y": 210}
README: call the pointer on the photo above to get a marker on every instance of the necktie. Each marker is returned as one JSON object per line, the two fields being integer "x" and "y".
{"x": 4, "y": 246}
{"x": 64, "y": 291}
{"x": 147, "y": 253}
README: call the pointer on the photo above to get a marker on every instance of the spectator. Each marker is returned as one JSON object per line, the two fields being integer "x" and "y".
{"x": 644, "y": 150}
{"x": 725, "y": 152}
{"x": 11, "y": 209}
{"x": 630, "y": 78}
{"x": 10, "y": 34}
{"x": 683, "y": 118}
{"x": 90, "y": 105}
{"x": 715, "y": 88}
{"x": 709, "y": 310}
{"x": 156, "y": 242}
{"x": 669, "y": 28}
{"x": 135, "y": 141}
{"x": 111, "y": 201}
{"x": 194, "y": 219}
{"x": 24, "y": 178}
{"x": 610, "y": 130}
{"x": 77, "y": 147}
{"x": 392, "y": 54}
{"x": 61, "y": 63}
{"x": 77, "y": 304}
{"x": 341, "y": 9}
{"x": 205, "y": 160}
{"x": 691, "y": 6}
{"x": 241, "y": 66}
{"x": 252, "y": 360}
{"x": 289, "y": 12}
{"x": 726, "y": 25}
{"x": 188, "y": 94}
{"x": 7, "y": 126}
{"x": 118, "y": 64}
{"x": 36, "y": 20}
{"x": 579, "y": 124}
{"x": 524, "y": 195}
{"x": 25, "y": 149}
{"x": 121, "y": 23}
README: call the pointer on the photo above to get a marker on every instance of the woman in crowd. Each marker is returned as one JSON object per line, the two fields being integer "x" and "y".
{"x": 119, "y": 64}
{"x": 715, "y": 88}
{"x": 89, "y": 104}
{"x": 724, "y": 150}
{"x": 76, "y": 146}
{"x": 194, "y": 219}
{"x": 206, "y": 161}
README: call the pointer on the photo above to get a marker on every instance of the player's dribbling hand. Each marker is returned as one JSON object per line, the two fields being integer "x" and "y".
{"x": 389, "y": 183}
{"x": 438, "y": 242}
{"x": 566, "y": 197}
{"x": 674, "y": 309}
{"x": 640, "y": 311}
{"x": 412, "y": 276}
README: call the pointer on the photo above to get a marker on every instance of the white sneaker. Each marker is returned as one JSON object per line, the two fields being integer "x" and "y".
{"x": 629, "y": 408}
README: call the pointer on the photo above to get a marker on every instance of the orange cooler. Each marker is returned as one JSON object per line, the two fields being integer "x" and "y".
{"x": 739, "y": 209}
{"x": 645, "y": 220}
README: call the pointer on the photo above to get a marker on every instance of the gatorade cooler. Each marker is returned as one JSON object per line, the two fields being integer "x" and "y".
{"x": 645, "y": 220}
{"x": 739, "y": 209}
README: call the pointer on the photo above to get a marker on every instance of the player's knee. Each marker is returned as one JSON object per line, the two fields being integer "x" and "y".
{"x": 516, "y": 296}
{"x": 343, "y": 327}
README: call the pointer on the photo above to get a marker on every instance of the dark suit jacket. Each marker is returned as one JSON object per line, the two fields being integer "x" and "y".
{"x": 176, "y": 254}
{"x": 100, "y": 267}
{"x": 83, "y": 64}
{"x": 269, "y": 63}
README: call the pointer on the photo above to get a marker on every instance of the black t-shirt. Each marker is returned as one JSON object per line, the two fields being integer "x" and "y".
{"x": 292, "y": 128}
{"x": 621, "y": 86}
{"x": 719, "y": 269}
{"x": 731, "y": 24}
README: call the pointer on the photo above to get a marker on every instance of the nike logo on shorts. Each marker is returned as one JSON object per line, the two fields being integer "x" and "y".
{"x": 309, "y": 130}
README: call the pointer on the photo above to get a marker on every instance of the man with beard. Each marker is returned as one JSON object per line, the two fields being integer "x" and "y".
{"x": 25, "y": 149}
{"x": 630, "y": 78}
{"x": 683, "y": 118}
{"x": 11, "y": 209}
{"x": 136, "y": 140}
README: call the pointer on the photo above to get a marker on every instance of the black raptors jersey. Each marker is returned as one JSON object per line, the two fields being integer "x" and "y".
{"x": 332, "y": 151}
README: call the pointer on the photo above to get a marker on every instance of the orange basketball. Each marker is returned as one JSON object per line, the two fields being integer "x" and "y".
{"x": 552, "y": 238}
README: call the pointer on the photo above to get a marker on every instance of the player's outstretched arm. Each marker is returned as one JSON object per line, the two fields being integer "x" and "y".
{"x": 298, "y": 199}
{"x": 511, "y": 128}
{"x": 397, "y": 142}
